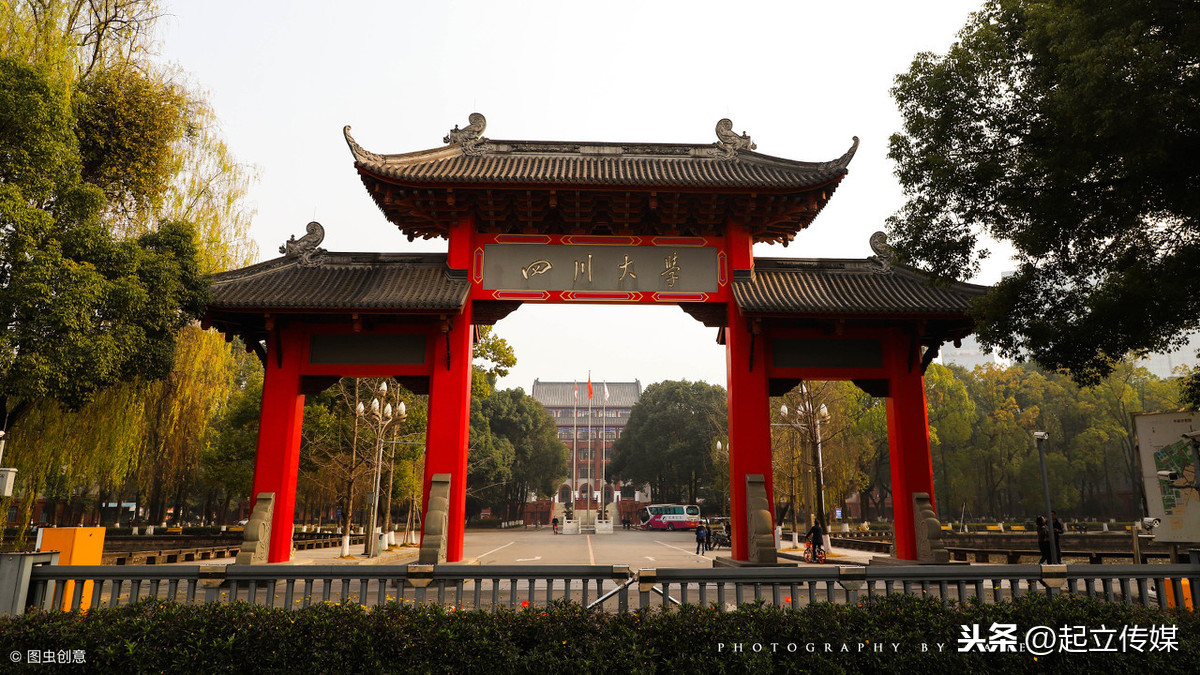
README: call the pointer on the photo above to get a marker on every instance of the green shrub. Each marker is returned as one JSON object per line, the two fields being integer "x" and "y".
{"x": 565, "y": 637}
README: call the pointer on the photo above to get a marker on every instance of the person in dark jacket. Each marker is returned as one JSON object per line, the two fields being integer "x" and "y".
{"x": 816, "y": 534}
{"x": 701, "y": 539}
{"x": 1043, "y": 538}
{"x": 1058, "y": 534}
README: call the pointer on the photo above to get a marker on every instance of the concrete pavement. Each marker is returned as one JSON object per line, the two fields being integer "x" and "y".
{"x": 540, "y": 546}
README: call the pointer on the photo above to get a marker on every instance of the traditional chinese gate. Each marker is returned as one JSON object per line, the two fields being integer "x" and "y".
{"x": 550, "y": 222}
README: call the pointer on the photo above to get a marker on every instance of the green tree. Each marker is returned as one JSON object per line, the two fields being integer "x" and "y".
{"x": 493, "y": 358}
{"x": 1068, "y": 129}
{"x": 228, "y": 462}
{"x": 81, "y": 309}
{"x": 833, "y": 410}
{"x": 951, "y": 421}
{"x": 151, "y": 147}
{"x": 669, "y": 440}
{"x": 130, "y": 124}
{"x": 514, "y": 452}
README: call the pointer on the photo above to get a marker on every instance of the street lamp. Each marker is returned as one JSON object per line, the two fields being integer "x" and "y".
{"x": 783, "y": 411}
{"x": 1042, "y": 436}
{"x": 818, "y": 414}
{"x": 383, "y": 418}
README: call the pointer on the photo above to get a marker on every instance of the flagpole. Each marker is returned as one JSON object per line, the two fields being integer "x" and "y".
{"x": 604, "y": 450}
{"x": 575, "y": 449}
{"x": 591, "y": 455}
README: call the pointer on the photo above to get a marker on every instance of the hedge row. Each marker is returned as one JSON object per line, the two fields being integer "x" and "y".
{"x": 565, "y": 637}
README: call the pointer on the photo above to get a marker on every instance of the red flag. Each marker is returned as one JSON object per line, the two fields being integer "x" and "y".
{"x": 576, "y": 392}
{"x": 589, "y": 384}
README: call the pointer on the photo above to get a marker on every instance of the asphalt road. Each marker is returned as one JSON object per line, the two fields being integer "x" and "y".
{"x": 623, "y": 547}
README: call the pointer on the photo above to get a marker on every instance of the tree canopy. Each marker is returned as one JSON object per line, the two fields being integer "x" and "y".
{"x": 515, "y": 451}
{"x": 116, "y": 195}
{"x": 81, "y": 308}
{"x": 669, "y": 440}
{"x": 1069, "y": 129}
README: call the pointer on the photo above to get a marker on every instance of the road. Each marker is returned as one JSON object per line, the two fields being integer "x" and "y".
{"x": 623, "y": 547}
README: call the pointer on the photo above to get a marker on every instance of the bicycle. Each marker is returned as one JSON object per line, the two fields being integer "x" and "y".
{"x": 808, "y": 553}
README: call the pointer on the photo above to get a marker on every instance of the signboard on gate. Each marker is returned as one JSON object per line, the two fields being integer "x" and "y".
{"x": 600, "y": 268}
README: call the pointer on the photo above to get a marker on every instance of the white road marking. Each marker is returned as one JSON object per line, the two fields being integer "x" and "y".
{"x": 649, "y": 558}
{"x": 538, "y": 557}
{"x": 676, "y": 548}
{"x": 484, "y": 555}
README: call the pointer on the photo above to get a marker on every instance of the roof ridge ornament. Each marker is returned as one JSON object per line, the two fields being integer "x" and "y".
{"x": 470, "y": 138}
{"x": 883, "y": 253}
{"x": 306, "y": 248}
{"x": 728, "y": 143}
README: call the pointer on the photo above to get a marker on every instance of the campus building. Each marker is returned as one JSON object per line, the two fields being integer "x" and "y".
{"x": 589, "y": 428}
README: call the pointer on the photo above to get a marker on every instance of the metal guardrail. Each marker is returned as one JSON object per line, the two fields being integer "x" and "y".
{"x": 229, "y": 549}
{"x": 610, "y": 587}
{"x": 1013, "y": 556}
{"x": 479, "y": 586}
{"x": 861, "y": 543}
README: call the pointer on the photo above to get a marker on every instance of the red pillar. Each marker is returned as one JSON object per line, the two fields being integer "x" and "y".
{"x": 278, "y": 460}
{"x": 908, "y": 440}
{"x": 749, "y": 422}
{"x": 449, "y": 423}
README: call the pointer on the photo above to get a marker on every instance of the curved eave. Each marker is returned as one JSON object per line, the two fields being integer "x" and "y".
{"x": 367, "y": 283}
{"x": 852, "y": 288}
{"x": 601, "y": 166}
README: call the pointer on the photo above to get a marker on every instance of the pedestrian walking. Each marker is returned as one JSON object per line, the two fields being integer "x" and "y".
{"x": 701, "y": 539}
{"x": 554, "y": 525}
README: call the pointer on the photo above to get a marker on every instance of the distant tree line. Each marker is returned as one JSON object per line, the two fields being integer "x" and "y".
{"x": 981, "y": 422}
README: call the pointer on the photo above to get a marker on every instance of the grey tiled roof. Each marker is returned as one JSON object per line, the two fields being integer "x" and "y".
{"x": 847, "y": 287}
{"x": 562, "y": 394}
{"x": 511, "y": 163}
{"x": 375, "y": 282}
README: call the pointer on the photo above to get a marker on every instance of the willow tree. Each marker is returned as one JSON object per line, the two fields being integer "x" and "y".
{"x": 122, "y": 181}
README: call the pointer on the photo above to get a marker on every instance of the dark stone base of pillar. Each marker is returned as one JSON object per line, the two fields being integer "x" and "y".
{"x": 722, "y": 561}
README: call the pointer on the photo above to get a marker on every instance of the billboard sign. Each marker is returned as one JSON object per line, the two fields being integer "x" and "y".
{"x": 1169, "y": 473}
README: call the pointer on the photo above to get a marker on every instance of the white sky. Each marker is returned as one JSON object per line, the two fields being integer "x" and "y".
{"x": 801, "y": 78}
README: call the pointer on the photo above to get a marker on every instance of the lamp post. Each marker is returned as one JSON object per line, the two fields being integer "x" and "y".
{"x": 383, "y": 418}
{"x": 1042, "y": 436}
{"x": 820, "y": 413}
{"x": 817, "y": 460}
{"x": 783, "y": 411}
